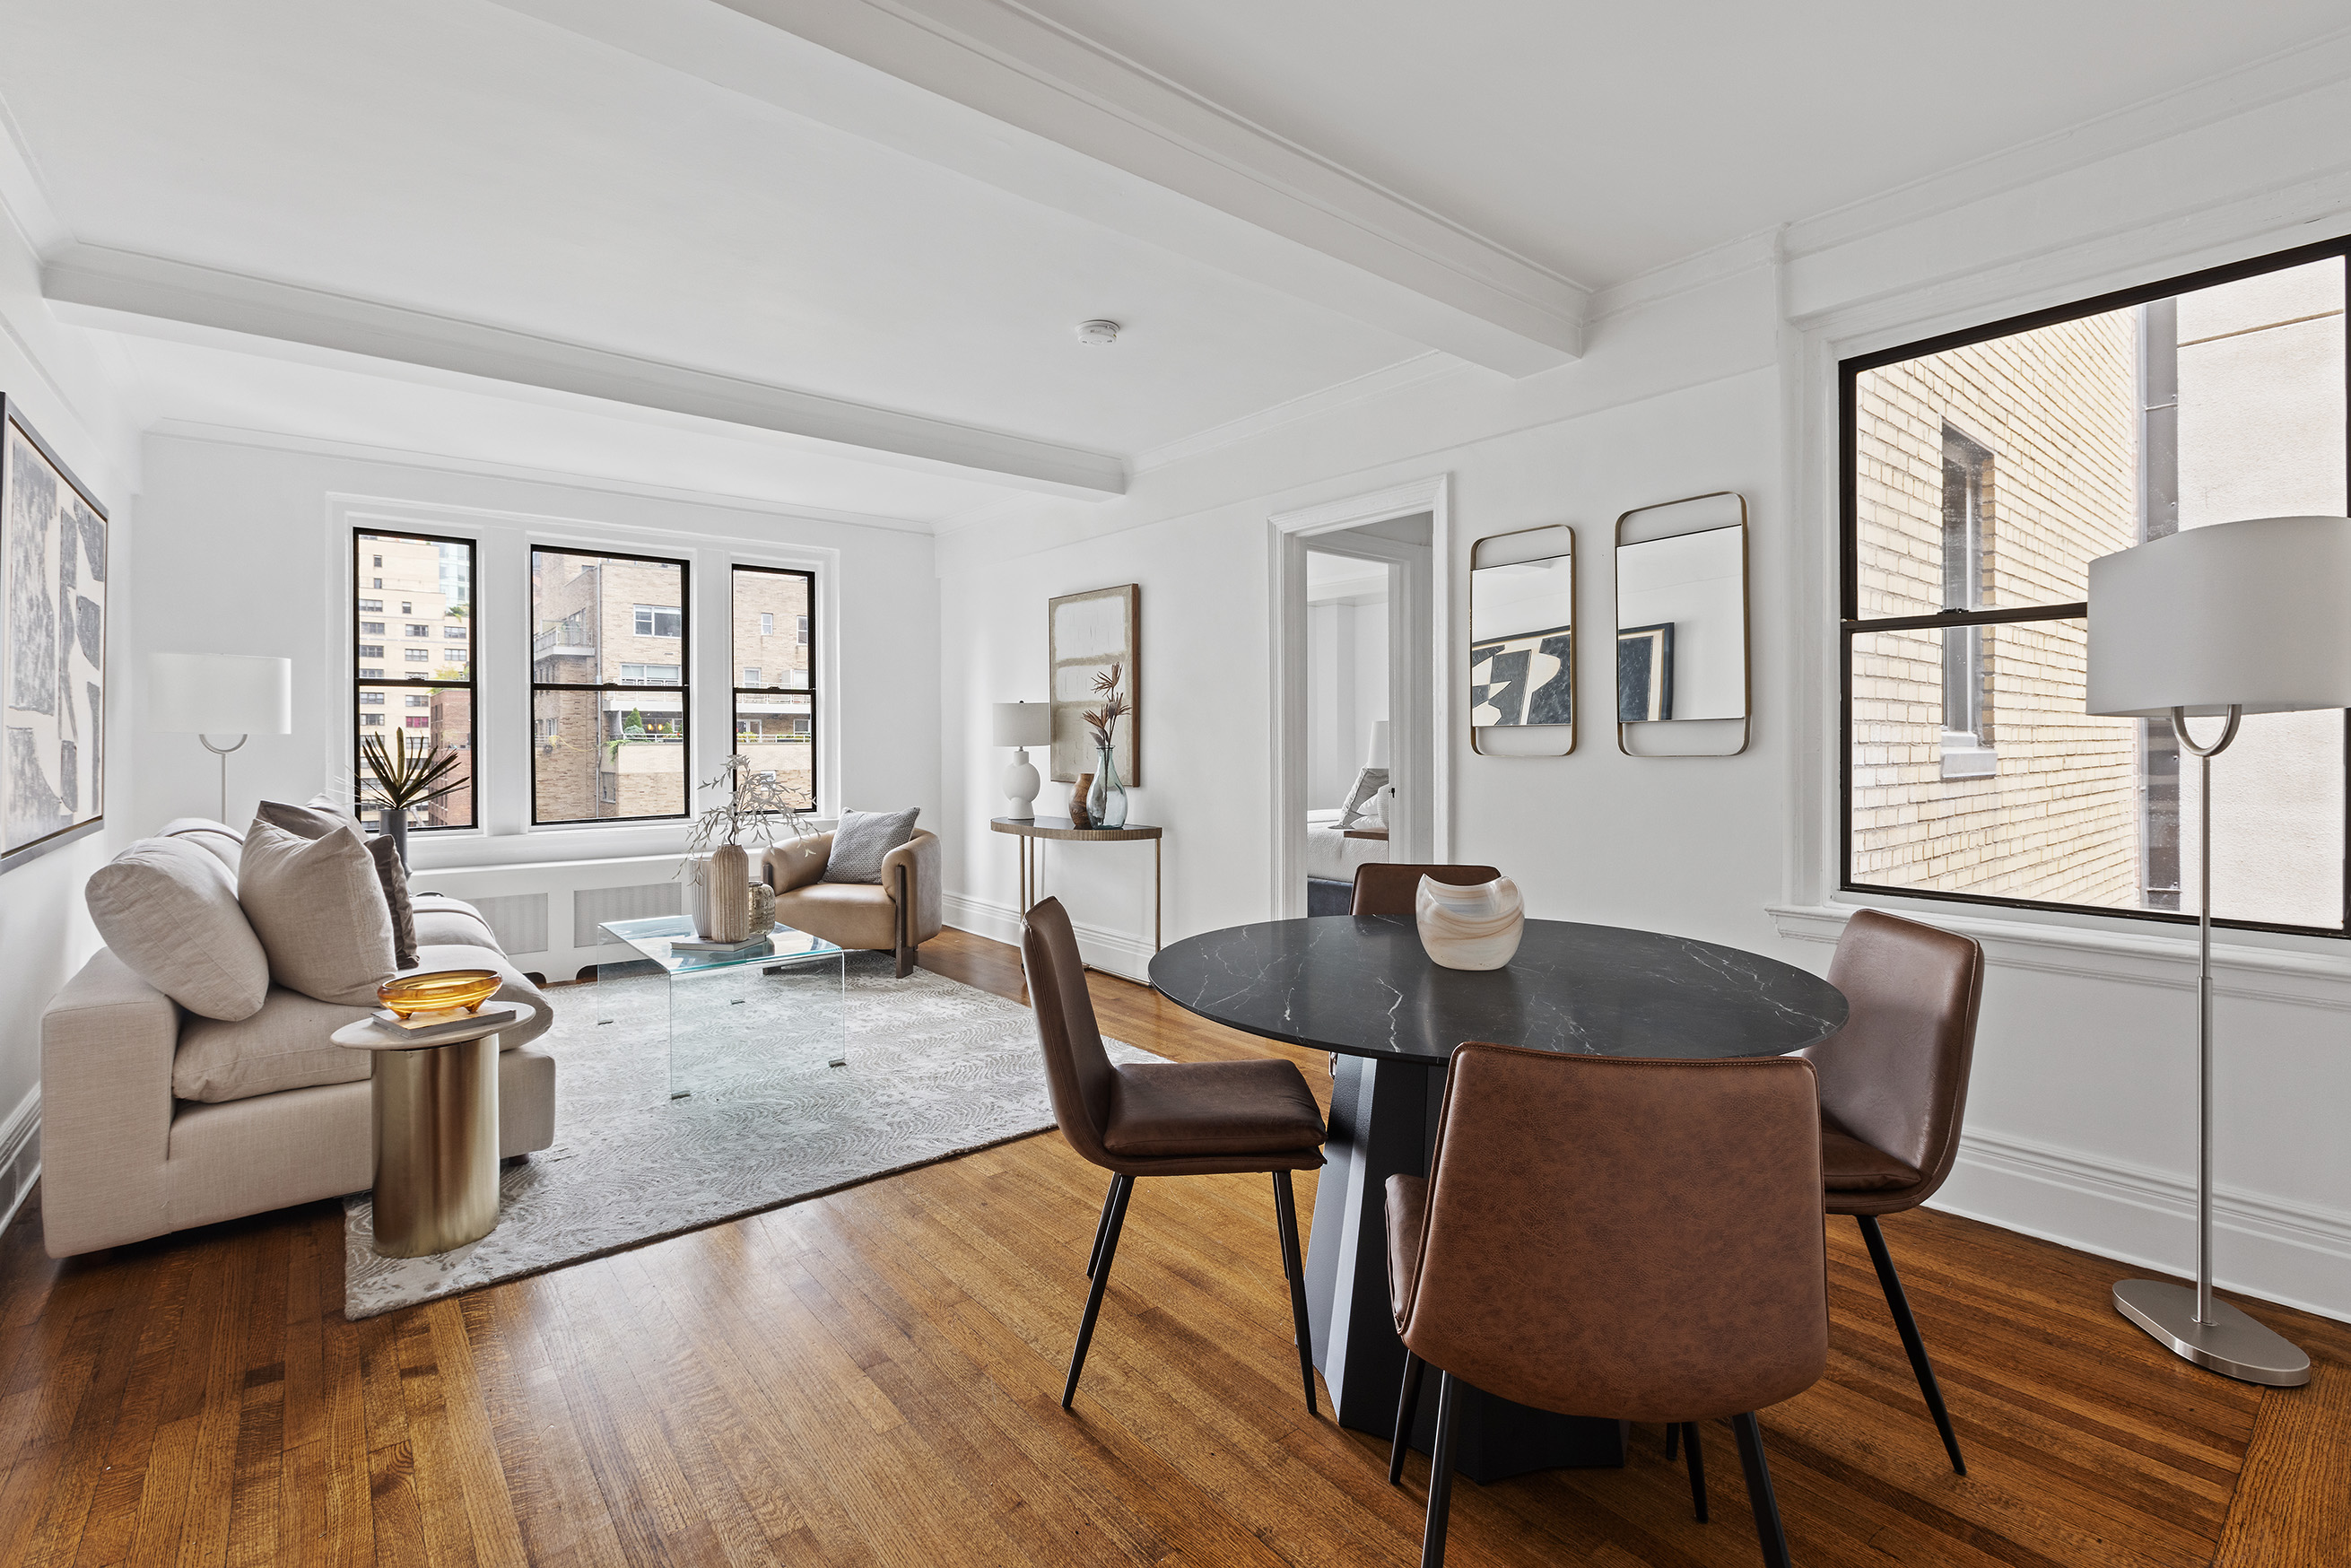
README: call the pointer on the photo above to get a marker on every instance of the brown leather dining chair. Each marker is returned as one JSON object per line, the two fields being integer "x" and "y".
{"x": 1545, "y": 1259}
{"x": 1383, "y": 888}
{"x": 1894, "y": 1087}
{"x": 1163, "y": 1118}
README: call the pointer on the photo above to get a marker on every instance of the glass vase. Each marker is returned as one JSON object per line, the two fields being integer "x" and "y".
{"x": 1107, "y": 801}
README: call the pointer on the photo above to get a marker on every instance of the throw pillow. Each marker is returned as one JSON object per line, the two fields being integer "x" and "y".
{"x": 219, "y": 839}
{"x": 395, "y": 877}
{"x": 862, "y": 840}
{"x": 1369, "y": 781}
{"x": 170, "y": 911}
{"x": 318, "y": 907}
{"x": 315, "y": 820}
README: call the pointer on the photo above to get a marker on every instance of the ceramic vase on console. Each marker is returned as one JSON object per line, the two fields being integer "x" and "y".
{"x": 1470, "y": 927}
{"x": 1106, "y": 801}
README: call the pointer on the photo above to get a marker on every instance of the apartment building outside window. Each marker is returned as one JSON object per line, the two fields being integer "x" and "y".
{"x": 1982, "y": 473}
{"x": 609, "y": 694}
{"x": 775, "y": 693}
{"x": 436, "y": 658}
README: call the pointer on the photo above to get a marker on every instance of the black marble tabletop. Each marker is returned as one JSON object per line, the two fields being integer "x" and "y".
{"x": 1363, "y": 986}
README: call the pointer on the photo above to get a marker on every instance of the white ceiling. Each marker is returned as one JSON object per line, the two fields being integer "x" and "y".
{"x": 526, "y": 166}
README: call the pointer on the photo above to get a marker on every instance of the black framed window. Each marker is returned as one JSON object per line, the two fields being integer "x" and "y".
{"x": 610, "y": 698}
{"x": 435, "y": 654}
{"x": 1982, "y": 472}
{"x": 775, "y": 676}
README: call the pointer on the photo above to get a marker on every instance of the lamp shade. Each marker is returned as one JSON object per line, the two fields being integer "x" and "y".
{"x": 1375, "y": 754}
{"x": 1024, "y": 724}
{"x": 2255, "y": 616}
{"x": 220, "y": 694}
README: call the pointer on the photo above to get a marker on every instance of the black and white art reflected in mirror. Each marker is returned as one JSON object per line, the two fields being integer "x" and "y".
{"x": 1681, "y": 628}
{"x": 1522, "y": 643}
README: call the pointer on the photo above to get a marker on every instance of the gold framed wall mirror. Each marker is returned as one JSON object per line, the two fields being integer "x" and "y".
{"x": 1682, "y": 666}
{"x": 1522, "y": 643}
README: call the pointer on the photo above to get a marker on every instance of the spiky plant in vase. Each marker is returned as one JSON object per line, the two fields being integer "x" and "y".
{"x": 718, "y": 885}
{"x": 1106, "y": 803}
{"x": 398, "y": 780}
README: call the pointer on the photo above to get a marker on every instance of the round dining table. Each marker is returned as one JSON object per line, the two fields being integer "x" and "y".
{"x": 1362, "y": 987}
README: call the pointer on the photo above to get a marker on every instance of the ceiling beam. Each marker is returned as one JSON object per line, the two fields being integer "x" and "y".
{"x": 123, "y": 291}
{"x": 1010, "y": 99}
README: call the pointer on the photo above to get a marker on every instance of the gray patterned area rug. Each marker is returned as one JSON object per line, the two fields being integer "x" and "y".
{"x": 933, "y": 1068}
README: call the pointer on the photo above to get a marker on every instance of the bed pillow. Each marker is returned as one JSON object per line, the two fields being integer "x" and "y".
{"x": 862, "y": 841}
{"x": 1369, "y": 782}
{"x": 170, "y": 911}
{"x": 316, "y": 904}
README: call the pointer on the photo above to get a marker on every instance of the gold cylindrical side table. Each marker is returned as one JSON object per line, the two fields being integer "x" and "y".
{"x": 437, "y": 1133}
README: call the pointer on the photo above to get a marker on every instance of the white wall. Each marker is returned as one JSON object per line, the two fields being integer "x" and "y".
{"x": 1346, "y": 690}
{"x": 250, "y": 539}
{"x": 45, "y": 930}
{"x": 1718, "y": 375}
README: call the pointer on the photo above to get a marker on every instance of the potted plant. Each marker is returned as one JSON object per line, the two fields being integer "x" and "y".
{"x": 718, "y": 885}
{"x": 1106, "y": 801}
{"x": 399, "y": 779}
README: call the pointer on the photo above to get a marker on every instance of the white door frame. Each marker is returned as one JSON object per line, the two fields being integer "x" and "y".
{"x": 1288, "y": 533}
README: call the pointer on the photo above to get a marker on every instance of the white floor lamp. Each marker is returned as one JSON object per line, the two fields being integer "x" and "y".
{"x": 2220, "y": 622}
{"x": 206, "y": 695}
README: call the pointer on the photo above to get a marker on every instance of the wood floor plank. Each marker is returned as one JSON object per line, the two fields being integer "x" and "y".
{"x": 873, "y": 1378}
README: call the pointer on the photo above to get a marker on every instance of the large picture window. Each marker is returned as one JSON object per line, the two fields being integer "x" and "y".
{"x": 775, "y": 676}
{"x": 610, "y": 696}
{"x": 433, "y": 648}
{"x": 1982, "y": 473}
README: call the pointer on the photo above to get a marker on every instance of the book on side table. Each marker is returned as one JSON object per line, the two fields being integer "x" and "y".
{"x": 442, "y": 1021}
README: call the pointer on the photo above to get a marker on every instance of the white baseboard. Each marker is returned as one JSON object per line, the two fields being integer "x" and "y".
{"x": 1122, "y": 953}
{"x": 18, "y": 1135}
{"x": 2298, "y": 1255}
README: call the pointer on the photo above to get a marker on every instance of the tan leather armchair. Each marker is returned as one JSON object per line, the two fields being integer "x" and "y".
{"x": 899, "y": 913}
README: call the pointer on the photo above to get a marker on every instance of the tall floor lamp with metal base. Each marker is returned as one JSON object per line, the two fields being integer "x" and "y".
{"x": 206, "y": 695}
{"x": 2223, "y": 620}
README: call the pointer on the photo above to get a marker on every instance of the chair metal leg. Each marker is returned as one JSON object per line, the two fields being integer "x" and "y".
{"x": 1697, "y": 1470}
{"x": 1102, "y": 1228}
{"x": 1293, "y": 1266}
{"x": 1121, "y": 1188}
{"x": 1759, "y": 1490}
{"x": 1440, "y": 1474}
{"x": 1899, "y": 1304}
{"x": 1407, "y": 1408}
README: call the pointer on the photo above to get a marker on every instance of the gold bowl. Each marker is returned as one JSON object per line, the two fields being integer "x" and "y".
{"x": 441, "y": 990}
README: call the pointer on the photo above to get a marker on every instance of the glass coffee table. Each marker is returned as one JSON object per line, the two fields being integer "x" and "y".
{"x": 732, "y": 1022}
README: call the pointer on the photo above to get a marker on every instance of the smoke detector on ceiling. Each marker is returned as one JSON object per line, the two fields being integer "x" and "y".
{"x": 1095, "y": 334}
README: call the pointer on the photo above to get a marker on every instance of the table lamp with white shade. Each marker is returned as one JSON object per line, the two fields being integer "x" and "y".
{"x": 205, "y": 694}
{"x": 1023, "y": 725}
{"x": 2220, "y": 622}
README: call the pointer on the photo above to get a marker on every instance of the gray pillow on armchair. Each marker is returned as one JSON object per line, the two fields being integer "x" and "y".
{"x": 862, "y": 840}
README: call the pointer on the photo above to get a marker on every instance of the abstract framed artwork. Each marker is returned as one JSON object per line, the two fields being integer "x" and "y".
{"x": 1086, "y": 634}
{"x": 53, "y": 554}
{"x": 1522, "y": 680}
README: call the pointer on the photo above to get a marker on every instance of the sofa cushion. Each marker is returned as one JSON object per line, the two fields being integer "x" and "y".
{"x": 863, "y": 839}
{"x": 309, "y": 887}
{"x": 217, "y": 839}
{"x": 289, "y": 1045}
{"x": 445, "y": 921}
{"x": 170, "y": 911}
{"x": 393, "y": 876}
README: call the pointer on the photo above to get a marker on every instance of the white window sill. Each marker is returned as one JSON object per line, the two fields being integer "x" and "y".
{"x": 572, "y": 844}
{"x": 1969, "y": 762}
{"x": 2263, "y": 966}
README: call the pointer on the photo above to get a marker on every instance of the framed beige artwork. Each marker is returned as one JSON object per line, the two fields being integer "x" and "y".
{"x": 1088, "y": 636}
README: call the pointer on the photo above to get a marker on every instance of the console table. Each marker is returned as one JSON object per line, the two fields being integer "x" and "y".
{"x": 1032, "y": 831}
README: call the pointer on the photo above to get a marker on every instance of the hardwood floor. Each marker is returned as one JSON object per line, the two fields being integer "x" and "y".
{"x": 874, "y": 1377}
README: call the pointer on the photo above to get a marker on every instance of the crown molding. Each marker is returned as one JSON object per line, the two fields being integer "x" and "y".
{"x": 1004, "y": 96}
{"x": 117, "y": 290}
{"x": 444, "y": 463}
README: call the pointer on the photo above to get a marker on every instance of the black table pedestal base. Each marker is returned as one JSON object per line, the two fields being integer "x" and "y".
{"x": 1384, "y": 1124}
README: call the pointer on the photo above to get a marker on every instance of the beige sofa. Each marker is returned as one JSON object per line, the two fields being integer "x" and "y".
{"x": 897, "y": 914}
{"x": 154, "y": 1119}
